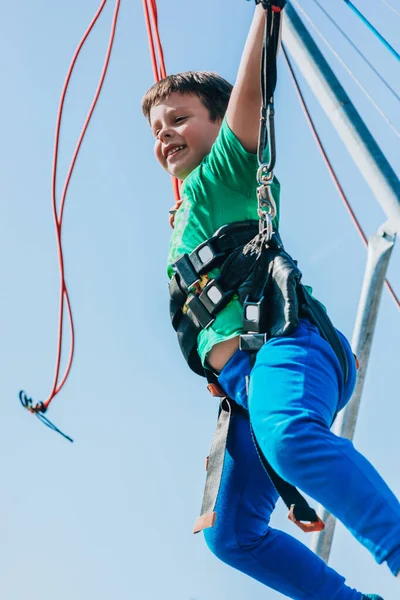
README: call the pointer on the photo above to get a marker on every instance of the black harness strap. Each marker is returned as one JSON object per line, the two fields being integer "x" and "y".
{"x": 273, "y": 10}
{"x": 312, "y": 309}
{"x": 300, "y": 512}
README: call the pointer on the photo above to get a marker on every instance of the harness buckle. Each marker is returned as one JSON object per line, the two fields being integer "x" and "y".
{"x": 204, "y": 257}
{"x": 205, "y": 521}
{"x": 252, "y": 342}
{"x": 253, "y": 313}
{"x": 216, "y": 390}
{"x": 306, "y": 518}
{"x": 207, "y": 299}
{"x": 197, "y": 313}
{"x": 267, "y": 209}
{"x": 214, "y": 297}
{"x": 187, "y": 273}
{"x": 199, "y": 285}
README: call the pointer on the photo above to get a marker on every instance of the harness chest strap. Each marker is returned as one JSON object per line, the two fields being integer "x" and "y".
{"x": 196, "y": 300}
{"x": 192, "y": 308}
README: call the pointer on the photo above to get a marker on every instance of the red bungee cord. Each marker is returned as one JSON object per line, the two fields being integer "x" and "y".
{"x": 41, "y": 407}
{"x": 159, "y": 71}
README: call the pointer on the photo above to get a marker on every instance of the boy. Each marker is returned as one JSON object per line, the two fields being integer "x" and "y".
{"x": 206, "y": 136}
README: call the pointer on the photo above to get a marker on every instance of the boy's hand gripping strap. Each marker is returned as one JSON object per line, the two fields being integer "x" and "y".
{"x": 274, "y": 4}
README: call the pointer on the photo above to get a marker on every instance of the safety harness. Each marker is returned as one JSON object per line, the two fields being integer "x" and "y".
{"x": 267, "y": 282}
{"x": 253, "y": 266}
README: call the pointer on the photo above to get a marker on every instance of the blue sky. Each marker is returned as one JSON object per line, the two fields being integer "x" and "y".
{"x": 111, "y": 516}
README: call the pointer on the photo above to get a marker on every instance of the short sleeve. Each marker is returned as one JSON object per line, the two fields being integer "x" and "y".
{"x": 230, "y": 163}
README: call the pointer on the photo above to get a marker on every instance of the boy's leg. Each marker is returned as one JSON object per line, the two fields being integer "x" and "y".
{"x": 243, "y": 539}
{"x": 295, "y": 389}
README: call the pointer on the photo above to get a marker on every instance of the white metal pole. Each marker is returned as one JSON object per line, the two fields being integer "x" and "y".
{"x": 380, "y": 247}
{"x": 362, "y": 147}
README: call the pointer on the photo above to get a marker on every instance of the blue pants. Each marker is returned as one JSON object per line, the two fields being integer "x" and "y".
{"x": 296, "y": 387}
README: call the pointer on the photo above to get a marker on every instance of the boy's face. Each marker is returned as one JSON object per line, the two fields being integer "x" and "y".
{"x": 184, "y": 133}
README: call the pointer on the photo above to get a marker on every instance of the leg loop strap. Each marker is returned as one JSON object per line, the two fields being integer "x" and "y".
{"x": 300, "y": 512}
{"x": 215, "y": 465}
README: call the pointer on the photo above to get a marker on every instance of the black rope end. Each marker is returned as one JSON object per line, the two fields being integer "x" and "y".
{"x": 38, "y": 410}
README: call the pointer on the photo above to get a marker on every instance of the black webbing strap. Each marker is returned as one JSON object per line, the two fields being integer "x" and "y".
{"x": 299, "y": 510}
{"x": 209, "y": 254}
{"x": 215, "y": 464}
{"x": 312, "y": 309}
{"x": 268, "y": 81}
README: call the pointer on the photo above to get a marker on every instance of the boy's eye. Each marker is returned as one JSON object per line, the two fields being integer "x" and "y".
{"x": 176, "y": 120}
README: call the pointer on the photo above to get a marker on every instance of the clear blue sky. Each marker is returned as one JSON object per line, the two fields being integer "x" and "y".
{"x": 111, "y": 516}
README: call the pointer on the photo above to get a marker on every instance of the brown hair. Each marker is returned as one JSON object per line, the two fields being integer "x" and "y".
{"x": 212, "y": 89}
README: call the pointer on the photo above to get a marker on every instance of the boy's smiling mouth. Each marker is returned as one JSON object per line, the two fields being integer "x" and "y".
{"x": 172, "y": 150}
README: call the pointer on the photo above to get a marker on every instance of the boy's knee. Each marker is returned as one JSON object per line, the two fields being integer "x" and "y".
{"x": 221, "y": 544}
{"x": 228, "y": 545}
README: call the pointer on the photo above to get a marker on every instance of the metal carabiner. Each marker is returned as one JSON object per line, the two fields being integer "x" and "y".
{"x": 264, "y": 177}
{"x": 267, "y": 139}
{"x": 267, "y": 209}
{"x": 265, "y": 225}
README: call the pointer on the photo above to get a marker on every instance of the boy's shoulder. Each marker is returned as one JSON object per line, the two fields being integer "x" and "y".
{"x": 228, "y": 165}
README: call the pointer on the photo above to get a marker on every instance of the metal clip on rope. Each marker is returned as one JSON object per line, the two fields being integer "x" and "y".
{"x": 266, "y": 203}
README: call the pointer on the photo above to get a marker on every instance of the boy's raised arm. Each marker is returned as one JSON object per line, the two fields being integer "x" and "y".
{"x": 243, "y": 113}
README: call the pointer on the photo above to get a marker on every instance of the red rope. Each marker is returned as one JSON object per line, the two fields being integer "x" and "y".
{"x": 58, "y": 214}
{"x": 330, "y": 167}
{"x": 160, "y": 72}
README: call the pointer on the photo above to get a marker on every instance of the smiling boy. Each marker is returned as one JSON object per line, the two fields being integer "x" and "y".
{"x": 184, "y": 133}
{"x": 206, "y": 135}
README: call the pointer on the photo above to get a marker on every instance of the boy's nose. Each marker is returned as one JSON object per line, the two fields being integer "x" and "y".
{"x": 165, "y": 134}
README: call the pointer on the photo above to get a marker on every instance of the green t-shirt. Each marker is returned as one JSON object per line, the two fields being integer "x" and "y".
{"x": 221, "y": 190}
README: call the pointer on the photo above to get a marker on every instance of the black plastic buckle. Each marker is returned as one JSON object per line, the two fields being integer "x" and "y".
{"x": 204, "y": 257}
{"x": 214, "y": 297}
{"x": 198, "y": 314}
{"x": 252, "y": 342}
{"x": 188, "y": 277}
{"x": 177, "y": 295}
{"x": 253, "y": 315}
